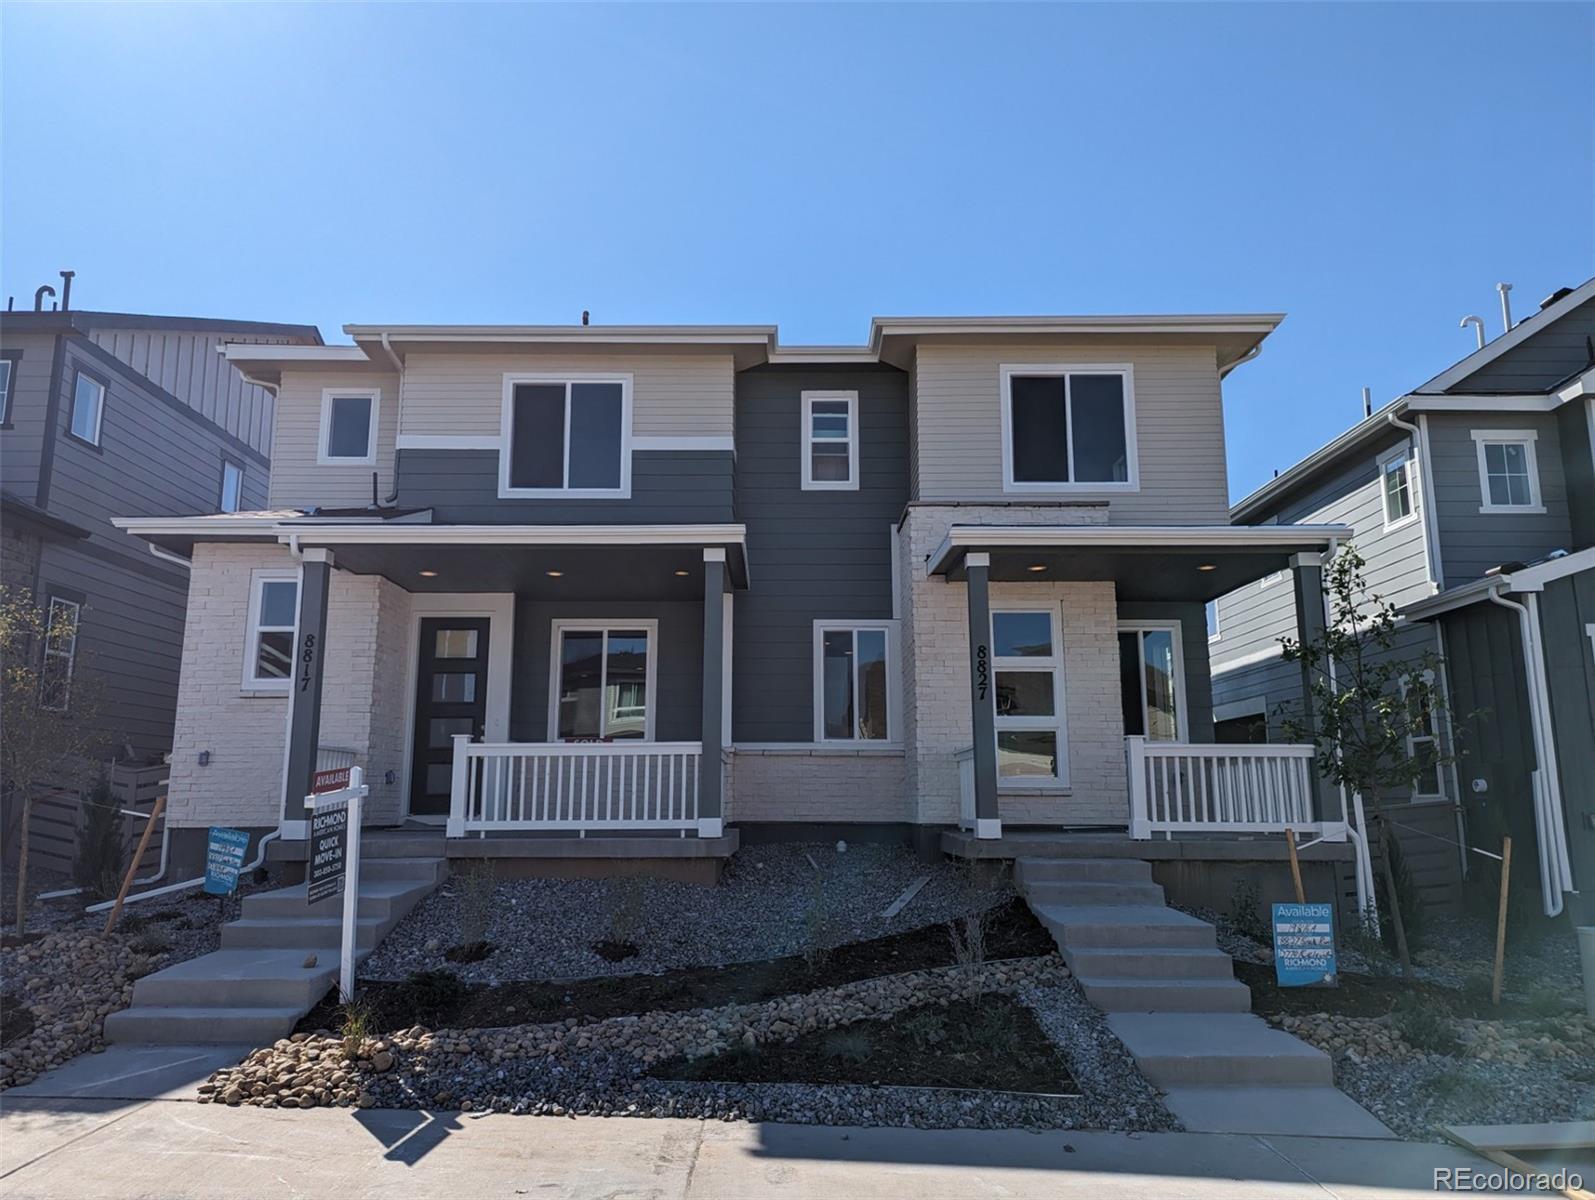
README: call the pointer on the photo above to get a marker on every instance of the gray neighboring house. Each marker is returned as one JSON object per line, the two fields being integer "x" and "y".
{"x": 99, "y": 411}
{"x": 1473, "y": 501}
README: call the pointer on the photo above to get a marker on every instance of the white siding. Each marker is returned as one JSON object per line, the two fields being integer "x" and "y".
{"x": 673, "y": 395}
{"x": 1179, "y": 427}
{"x": 297, "y": 480}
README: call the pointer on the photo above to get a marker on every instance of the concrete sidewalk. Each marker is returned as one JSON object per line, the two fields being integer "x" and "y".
{"x": 87, "y": 1148}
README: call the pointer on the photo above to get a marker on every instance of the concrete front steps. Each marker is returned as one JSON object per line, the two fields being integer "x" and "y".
{"x": 257, "y": 986}
{"x": 1172, "y": 998}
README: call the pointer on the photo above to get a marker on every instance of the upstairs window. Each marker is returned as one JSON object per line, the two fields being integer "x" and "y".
{"x": 1213, "y": 630}
{"x": 88, "y": 408}
{"x": 830, "y": 441}
{"x": 853, "y": 682}
{"x": 570, "y": 437}
{"x": 273, "y": 613}
{"x": 349, "y": 427}
{"x": 8, "y": 371}
{"x": 232, "y": 497}
{"x": 1068, "y": 428}
{"x": 60, "y": 654}
{"x": 1509, "y": 475}
{"x": 1395, "y": 473}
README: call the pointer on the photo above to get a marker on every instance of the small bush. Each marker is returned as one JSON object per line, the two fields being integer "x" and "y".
{"x": 927, "y": 1027}
{"x": 1245, "y": 910}
{"x": 1360, "y": 937}
{"x": 1426, "y": 1026}
{"x": 853, "y": 1045}
{"x": 474, "y": 898}
{"x": 151, "y": 941}
{"x": 1546, "y": 1002}
{"x": 996, "y": 1033}
{"x": 101, "y": 859}
{"x": 354, "y": 1026}
{"x": 626, "y": 904}
{"x": 822, "y": 925}
{"x": 968, "y": 936}
{"x": 1407, "y": 896}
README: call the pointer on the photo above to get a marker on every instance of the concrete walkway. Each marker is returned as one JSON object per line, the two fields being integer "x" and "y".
{"x": 84, "y": 1149}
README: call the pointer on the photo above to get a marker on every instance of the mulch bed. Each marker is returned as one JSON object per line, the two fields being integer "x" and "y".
{"x": 992, "y": 1043}
{"x": 1364, "y": 996}
{"x": 1011, "y": 932}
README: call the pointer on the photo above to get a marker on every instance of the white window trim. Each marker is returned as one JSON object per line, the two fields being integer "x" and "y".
{"x": 324, "y": 457}
{"x": 99, "y": 408}
{"x": 1006, "y": 372}
{"x": 8, "y": 363}
{"x": 1182, "y": 711}
{"x": 893, "y": 738}
{"x": 650, "y": 692}
{"x": 1401, "y": 457}
{"x": 71, "y": 655}
{"x": 1499, "y": 437}
{"x": 1059, "y": 721}
{"x": 506, "y": 440}
{"x": 250, "y": 684}
{"x": 1218, "y": 622}
{"x": 1432, "y": 736}
{"x": 221, "y": 501}
{"x": 810, "y": 484}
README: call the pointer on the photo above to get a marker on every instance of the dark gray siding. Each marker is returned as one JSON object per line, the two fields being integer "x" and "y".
{"x": 678, "y": 692}
{"x": 668, "y": 487}
{"x": 811, "y": 555}
{"x": 1573, "y": 426}
{"x": 1193, "y": 648}
{"x": 22, "y": 439}
{"x": 1471, "y": 542}
{"x": 1567, "y": 618}
{"x": 1546, "y": 358}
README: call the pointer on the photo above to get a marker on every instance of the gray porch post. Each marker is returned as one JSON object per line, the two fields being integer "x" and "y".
{"x": 1307, "y": 572}
{"x": 711, "y": 770}
{"x": 304, "y": 692}
{"x": 982, "y": 710}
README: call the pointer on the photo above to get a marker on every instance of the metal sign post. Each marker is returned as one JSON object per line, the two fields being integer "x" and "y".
{"x": 335, "y": 856}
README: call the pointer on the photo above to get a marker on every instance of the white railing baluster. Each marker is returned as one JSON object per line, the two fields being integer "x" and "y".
{"x": 1192, "y": 788}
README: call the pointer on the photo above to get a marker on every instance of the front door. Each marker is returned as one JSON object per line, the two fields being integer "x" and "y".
{"x": 450, "y": 698}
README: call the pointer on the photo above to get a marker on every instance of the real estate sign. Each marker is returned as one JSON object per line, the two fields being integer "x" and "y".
{"x": 224, "y": 856}
{"x": 1304, "y": 945}
{"x": 329, "y": 845}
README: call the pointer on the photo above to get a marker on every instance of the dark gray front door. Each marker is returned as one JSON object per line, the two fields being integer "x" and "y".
{"x": 450, "y": 698}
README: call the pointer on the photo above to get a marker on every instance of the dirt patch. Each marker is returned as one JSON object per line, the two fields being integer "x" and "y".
{"x": 1365, "y": 996}
{"x": 1011, "y": 932}
{"x": 989, "y": 1043}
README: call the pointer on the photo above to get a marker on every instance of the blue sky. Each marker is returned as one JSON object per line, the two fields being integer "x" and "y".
{"x": 1372, "y": 170}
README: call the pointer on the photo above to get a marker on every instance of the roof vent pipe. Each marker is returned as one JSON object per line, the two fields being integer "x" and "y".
{"x": 66, "y": 289}
{"x": 1506, "y": 306}
{"x": 586, "y": 317}
{"x": 38, "y": 296}
{"x": 1367, "y": 402}
{"x": 1478, "y": 327}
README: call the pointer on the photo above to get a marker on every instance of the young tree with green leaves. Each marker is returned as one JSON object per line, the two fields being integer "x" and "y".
{"x": 1368, "y": 701}
{"x": 49, "y": 710}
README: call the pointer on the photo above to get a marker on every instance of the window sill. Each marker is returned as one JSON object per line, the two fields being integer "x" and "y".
{"x": 1409, "y": 519}
{"x": 263, "y": 693}
{"x": 1052, "y": 787}
{"x": 830, "y": 487}
{"x": 1522, "y": 510}
{"x": 820, "y": 749}
{"x": 368, "y": 461}
{"x": 564, "y": 493}
{"x": 84, "y": 442}
{"x": 1066, "y": 489}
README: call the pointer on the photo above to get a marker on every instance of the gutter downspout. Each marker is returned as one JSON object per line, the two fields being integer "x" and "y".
{"x": 1555, "y": 874}
{"x": 1431, "y": 552}
{"x": 398, "y": 365}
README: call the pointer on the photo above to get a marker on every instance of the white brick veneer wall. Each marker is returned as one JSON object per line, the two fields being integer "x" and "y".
{"x": 363, "y": 698}
{"x": 935, "y": 649}
{"x": 817, "y": 785}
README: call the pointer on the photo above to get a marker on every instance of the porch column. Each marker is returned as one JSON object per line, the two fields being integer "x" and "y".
{"x": 983, "y": 719}
{"x": 304, "y": 693}
{"x": 710, "y": 768}
{"x": 1307, "y": 573}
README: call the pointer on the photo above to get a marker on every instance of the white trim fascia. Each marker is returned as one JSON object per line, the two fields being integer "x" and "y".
{"x": 895, "y": 550}
{"x": 1176, "y": 631}
{"x": 684, "y": 442}
{"x": 1431, "y": 513}
{"x": 407, "y": 533}
{"x": 1403, "y": 454}
{"x": 499, "y": 610}
{"x": 894, "y": 700}
{"x": 1266, "y": 654}
{"x": 664, "y": 335}
{"x": 1528, "y": 579}
{"x": 328, "y": 395}
{"x": 1473, "y": 404}
{"x": 1584, "y": 385}
{"x": 1005, "y": 374}
{"x": 1173, "y": 537}
{"x": 557, "y": 628}
{"x": 808, "y": 483}
{"x": 1519, "y": 333}
{"x": 1262, "y": 323}
{"x": 263, "y": 352}
{"x": 814, "y": 356}
{"x": 727, "y": 632}
{"x": 506, "y": 440}
{"x": 448, "y": 441}
{"x": 1527, "y": 438}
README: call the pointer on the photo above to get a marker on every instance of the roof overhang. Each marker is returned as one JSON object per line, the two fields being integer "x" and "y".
{"x": 749, "y": 345}
{"x": 267, "y": 363}
{"x": 35, "y": 519}
{"x": 1170, "y": 562}
{"x": 1531, "y": 578}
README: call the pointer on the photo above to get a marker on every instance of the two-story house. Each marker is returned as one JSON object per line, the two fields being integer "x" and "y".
{"x": 586, "y": 591}
{"x": 101, "y": 412}
{"x": 1473, "y": 501}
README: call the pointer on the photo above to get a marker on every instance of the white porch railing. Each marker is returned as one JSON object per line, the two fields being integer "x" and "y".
{"x": 1217, "y": 788}
{"x": 574, "y": 786}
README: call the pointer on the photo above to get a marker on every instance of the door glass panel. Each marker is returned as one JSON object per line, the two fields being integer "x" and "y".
{"x": 1024, "y": 693}
{"x": 626, "y": 685}
{"x": 454, "y": 687}
{"x": 1162, "y": 720}
{"x": 581, "y": 668}
{"x": 1027, "y": 753}
{"x": 1130, "y": 684}
{"x": 1021, "y": 635}
{"x": 440, "y": 730}
{"x": 872, "y": 683}
{"x": 439, "y": 778}
{"x": 455, "y": 643}
{"x": 837, "y": 683}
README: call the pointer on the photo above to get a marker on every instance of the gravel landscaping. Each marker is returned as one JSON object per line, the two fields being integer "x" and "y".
{"x": 773, "y": 901}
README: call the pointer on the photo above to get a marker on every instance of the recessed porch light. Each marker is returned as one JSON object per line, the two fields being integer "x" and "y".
{"x": 1036, "y": 567}
{"x": 683, "y": 572}
{"x": 429, "y": 574}
{"x": 1208, "y": 567}
{"x": 553, "y": 574}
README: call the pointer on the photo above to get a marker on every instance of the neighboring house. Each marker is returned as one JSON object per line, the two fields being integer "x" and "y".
{"x": 100, "y": 412}
{"x": 1453, "y": 491}
{"x": 646, "y": 591}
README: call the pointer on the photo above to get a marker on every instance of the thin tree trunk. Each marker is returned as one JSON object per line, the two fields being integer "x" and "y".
{"x": 1396, "y": 919}
{"x": 22, "y": 862}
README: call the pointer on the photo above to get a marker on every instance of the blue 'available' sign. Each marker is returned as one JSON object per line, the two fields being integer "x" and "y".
{"x": 224, "y": 855}
{"x": 1304, "y": 945}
